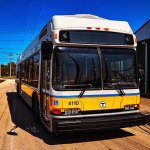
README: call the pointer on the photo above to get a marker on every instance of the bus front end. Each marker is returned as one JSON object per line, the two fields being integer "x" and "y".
{"x": 94, "y": 86}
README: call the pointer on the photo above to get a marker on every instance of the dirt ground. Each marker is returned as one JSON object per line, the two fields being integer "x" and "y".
{"x": 19, "y": 132}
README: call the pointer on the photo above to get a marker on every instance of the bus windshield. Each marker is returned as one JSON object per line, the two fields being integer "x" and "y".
{"x": 76, "y": 69}
{"x": 80, "y": 68}
{"x": 119, "y": 68}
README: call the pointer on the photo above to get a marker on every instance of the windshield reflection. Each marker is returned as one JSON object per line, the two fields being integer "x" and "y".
{"x": 119, "y": 68}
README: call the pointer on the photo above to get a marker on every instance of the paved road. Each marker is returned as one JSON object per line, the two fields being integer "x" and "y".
{"x": 15, "y": 115}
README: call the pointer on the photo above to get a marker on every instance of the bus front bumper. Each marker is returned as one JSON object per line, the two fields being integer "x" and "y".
{"x": 73, "y": 124}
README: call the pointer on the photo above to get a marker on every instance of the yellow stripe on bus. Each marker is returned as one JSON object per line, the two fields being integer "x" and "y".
{"x": 94, "y": 103}
{"x": 26, "y": 89}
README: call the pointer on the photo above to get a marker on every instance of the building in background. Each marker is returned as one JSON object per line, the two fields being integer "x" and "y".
{"x": 143, "y": 54}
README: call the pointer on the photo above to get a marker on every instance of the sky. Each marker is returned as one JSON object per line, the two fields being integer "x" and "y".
{"x": 22, "y": 20}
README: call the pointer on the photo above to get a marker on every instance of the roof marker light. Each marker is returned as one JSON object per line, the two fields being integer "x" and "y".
{"x": 97, "y": 28}
{"x": 106, "y": 29}
{"x": 89, "y": 28}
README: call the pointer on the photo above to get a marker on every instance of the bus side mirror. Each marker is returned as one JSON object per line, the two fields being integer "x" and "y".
{"x": 46, "y": 50}
{"x": 140, "y": 72}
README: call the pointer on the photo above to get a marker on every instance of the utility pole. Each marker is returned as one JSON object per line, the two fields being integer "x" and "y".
{"x": 10, "y": 55}
{"x": 0, "y": 71}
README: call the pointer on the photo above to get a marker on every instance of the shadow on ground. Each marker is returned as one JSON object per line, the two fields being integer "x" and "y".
{"x": 145, "y": 95}
{"x": 22, "y": 117}
{"x": 1, "y": 80}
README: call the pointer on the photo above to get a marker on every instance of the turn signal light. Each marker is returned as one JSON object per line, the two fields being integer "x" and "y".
{"x": 57, "y": 111}
{"x": 89, "y": 28}
{"x": 97, "y": 28}
{"x": 55, "y": 36}
{"x": 106, "y": 29}
{"x": 137, "y": 106}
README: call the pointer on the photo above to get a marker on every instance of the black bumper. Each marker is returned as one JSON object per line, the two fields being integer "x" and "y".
{"x": 98, "y": 123}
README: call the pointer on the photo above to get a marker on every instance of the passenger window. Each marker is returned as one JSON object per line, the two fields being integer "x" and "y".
{"x": 35, "y": 70}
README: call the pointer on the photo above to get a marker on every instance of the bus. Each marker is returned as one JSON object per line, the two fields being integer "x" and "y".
{"x": 80, "y": 74}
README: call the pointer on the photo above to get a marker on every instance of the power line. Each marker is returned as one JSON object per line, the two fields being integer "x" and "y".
{"x": 3, "y": 52}
{"x": 14, "y": 40}
{"x": 6, "y": 59}
{"x": 26, "y": 18}
{"x": 12, "y": 48}
{"x": 38, "y": 16}
{"x": 14, "y": 30}
{"x": 8, "y": 53}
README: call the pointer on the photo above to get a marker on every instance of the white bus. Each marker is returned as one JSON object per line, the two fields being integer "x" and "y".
{"x": 80, "y": 73}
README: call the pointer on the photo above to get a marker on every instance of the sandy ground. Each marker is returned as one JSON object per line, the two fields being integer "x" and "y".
{"x": 19, "y": 132}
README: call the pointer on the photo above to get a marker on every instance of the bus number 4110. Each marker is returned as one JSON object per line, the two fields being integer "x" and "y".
{"x": 73, "y": 103}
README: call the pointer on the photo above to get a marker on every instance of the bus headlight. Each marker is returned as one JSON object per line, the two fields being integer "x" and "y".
{"x": 71, "y": 111}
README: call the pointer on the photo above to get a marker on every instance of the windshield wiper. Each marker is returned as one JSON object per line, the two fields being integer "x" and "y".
{"x": 83, "y": 91}
{"x": 118, "y": 87}
{"x": 121, "y": 92}
{"x": 121, "y": 76}
{"x": 93, "y": 71}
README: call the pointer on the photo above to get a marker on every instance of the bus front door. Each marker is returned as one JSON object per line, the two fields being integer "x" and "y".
{"x": 45, "y": 85}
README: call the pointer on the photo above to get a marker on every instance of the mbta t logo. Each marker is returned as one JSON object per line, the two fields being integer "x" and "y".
{"x": 102, "y": 104}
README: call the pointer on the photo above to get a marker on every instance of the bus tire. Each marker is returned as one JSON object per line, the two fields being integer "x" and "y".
{"x": 18, "y": 90}
{"x": 36, "y": 111}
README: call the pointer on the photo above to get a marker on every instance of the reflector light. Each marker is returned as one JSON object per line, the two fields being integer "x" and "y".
{"x": 106, "y": 29}
{"x": 136, "y": 39}
{"x": 89, "y": 28}
{"x": 55, "y": 36}
{"x": 57, "y": 111}
{"x": 137, "y": 106}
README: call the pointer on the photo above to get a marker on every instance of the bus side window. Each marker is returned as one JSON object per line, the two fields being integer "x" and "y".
{"x": 48, "y": 74}
{"x": 30, "y": 72}
{"x": 26, "y": 71}
{"x": 18, "y": 73}
{"x": 23, "y": 72}
{"x": 35, "y": 70}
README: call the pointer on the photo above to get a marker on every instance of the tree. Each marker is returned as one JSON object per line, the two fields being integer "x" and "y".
{"x": 5, "y": 69}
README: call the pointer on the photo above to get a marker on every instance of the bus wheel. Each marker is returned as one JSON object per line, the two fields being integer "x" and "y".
{"x": 36, "y": 111}
{"x": 18, "y": 90}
